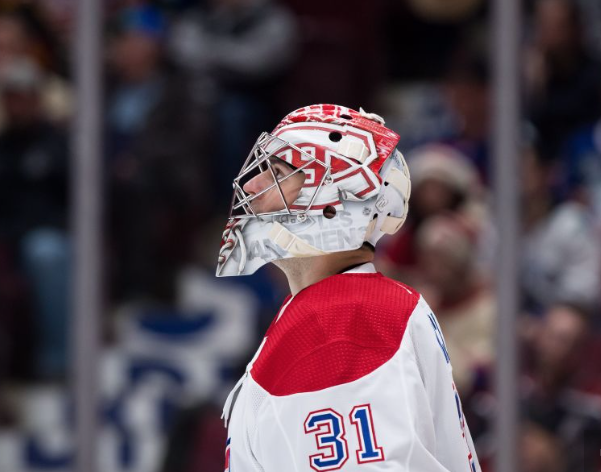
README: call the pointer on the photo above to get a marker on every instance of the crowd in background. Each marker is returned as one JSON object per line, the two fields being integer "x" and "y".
{"x": 188, "y": 87}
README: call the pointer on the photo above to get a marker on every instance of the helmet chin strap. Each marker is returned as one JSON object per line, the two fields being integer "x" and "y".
{"x": 291, "y": 243}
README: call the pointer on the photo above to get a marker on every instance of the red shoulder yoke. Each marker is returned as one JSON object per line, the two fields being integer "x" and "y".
{"x": 334, "y": 332}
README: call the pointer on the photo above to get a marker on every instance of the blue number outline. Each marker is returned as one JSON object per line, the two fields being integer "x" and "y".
{"x": 369, "y": 450}
{"x": 328, "y": 426}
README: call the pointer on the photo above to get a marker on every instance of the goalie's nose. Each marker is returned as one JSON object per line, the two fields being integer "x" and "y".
{"x": 258, "y": 183}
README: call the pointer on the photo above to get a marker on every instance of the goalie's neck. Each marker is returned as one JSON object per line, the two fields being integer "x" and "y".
{"x": 306, "y": 271}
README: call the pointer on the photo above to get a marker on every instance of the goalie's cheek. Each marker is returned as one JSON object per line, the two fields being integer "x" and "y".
{"x": 292, "y": 186}
{"x": 271, "y": 200}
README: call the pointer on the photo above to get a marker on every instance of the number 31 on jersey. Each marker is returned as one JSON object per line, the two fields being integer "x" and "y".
{"x": 330, "y": 435}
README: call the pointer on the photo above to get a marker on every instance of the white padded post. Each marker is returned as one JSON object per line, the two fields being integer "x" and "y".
{"x": 400, "y": 181}
{"x": 353, "y": 148}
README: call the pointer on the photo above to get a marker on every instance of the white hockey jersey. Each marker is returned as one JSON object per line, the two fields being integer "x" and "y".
{"x": 353, "y": 375}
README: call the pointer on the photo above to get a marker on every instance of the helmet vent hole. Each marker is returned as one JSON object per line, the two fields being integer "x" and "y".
{"x": 385, "y": 184}
{"x": 335, "y": 136}
{"x": 346, "y": 117}
{"x": 375, "y": 216}
{"x": 329, "y": 212}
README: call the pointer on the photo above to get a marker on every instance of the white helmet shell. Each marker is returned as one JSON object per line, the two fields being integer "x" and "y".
{"x": 356, "y": 189}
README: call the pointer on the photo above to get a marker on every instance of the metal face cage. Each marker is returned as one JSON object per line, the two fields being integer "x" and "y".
{"x": 259, "y": 160}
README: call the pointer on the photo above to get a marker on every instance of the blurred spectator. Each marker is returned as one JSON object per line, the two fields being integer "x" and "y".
{"x": 338, "y": 61}
{"x": 591, "y": 15}
{"x": 59, "y": 16}
{"x": 33, "y": 206}
{"x": 13, "y": 40}
{"x": 236, "y": 52}
{"x": 540, "y": 451}
{"x": 441, "y": 10}
{"x": 15, "y": 329}
{"x": 458, "y": 293}
{"x": 16, "y": 42}
{"x": 556, "y": 402}
{"x": 42, "y": 44}
{"x": 562, "y": 76}
{"x": 552, "y": 397}
{"x": 560, "y": 251}
{"x": 580, "y": 173}
{"x": 443, "y": 181}
{"x": 420, "y": 110}
{"x": 433, "y": 28}
{"x": 467, "y": 90}
{"x": 558, "y": 343}
{"x": 137, "y": 83}
{"x": 159, "y": 186}
{"x": 196, "y": 441}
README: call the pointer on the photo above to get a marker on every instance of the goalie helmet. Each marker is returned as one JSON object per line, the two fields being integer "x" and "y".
{"x": 338, "y": 181}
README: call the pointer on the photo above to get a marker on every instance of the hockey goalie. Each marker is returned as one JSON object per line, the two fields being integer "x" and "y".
{"x": 353, "y": 373}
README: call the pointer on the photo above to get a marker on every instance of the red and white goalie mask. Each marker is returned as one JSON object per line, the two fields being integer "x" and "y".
{"x": 327, "y": 179}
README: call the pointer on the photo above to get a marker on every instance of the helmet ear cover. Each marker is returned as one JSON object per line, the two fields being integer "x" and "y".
{"x": 400, "y": 181}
